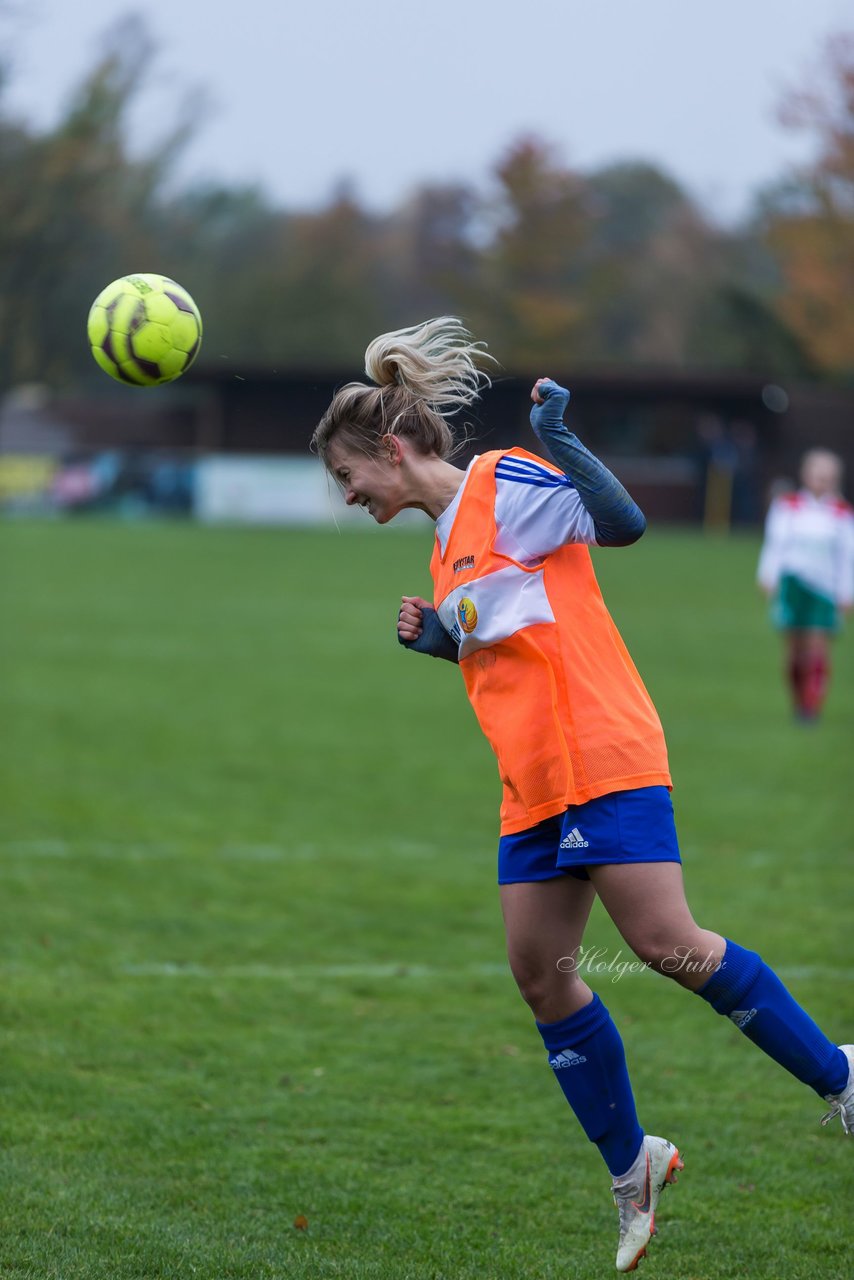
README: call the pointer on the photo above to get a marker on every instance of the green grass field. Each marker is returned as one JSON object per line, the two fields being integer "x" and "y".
{"x": 250, "y": 946}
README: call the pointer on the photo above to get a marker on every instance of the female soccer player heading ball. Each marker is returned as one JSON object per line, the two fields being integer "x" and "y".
{"x": 586, "y": 807}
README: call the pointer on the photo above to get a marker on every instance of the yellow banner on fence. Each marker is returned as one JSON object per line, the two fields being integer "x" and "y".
{"x": 25, "y": 475}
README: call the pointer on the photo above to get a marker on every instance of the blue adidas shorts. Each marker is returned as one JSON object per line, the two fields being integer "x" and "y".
{"x": 623, "y": 827}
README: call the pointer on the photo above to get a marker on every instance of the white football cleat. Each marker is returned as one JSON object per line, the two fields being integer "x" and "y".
{"x": 636, "y": 1195}
{"x": 842, "y": 1104}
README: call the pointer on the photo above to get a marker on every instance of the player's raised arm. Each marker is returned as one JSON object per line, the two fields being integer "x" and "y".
{"x": 618, "y": 520}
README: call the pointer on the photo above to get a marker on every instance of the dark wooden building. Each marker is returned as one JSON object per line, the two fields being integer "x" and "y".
{"x": 662, "y": 429}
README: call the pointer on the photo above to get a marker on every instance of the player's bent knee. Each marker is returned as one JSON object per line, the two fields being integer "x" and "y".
{"x": 538, "y": 982}
{"x": 668, "y": 955}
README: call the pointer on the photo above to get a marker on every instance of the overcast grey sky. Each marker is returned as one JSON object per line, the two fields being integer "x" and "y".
{"x": 390, "y": 92}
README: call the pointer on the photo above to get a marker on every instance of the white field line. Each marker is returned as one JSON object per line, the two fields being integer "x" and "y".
{"x": 240, "y": 851}
{"x": 757, "y": 859}
{"x": 312, "y": 972}
{"x": 391, "y": 972}
{"x": 396, "y": 972}
{"x": 139, "y": 850}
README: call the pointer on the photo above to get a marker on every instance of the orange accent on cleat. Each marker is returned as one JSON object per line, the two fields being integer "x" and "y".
{"x": 637, "y": 1259}
{"x": 676, "y": 1165}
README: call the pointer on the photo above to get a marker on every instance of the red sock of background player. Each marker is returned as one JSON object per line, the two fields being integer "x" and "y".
{"x": 796, "y": 671}
{"x": 815, "y": 683}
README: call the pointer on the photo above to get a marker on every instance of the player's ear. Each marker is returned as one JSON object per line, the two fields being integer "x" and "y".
{"x": 392, "y": 449}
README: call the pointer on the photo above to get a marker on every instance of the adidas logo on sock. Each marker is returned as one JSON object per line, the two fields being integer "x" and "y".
{"x": 566, "y": 1058}
{"x": 575, "y": 840}
{"x": 741, "y": 1017}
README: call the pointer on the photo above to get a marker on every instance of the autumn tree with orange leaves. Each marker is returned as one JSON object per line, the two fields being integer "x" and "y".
{"x": 810, "y": 227}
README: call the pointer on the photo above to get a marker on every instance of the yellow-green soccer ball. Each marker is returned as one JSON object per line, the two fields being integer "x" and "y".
{"x": 144, "y": 330}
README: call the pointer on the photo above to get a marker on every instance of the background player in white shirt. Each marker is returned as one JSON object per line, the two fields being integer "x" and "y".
{"x": 807, "y": 566}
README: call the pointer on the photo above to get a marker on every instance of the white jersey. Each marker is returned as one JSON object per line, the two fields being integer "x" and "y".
{"x": 812, "y": 539}
{"x": 537, "y": 510}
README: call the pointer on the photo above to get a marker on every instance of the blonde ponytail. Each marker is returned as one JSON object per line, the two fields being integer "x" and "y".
{"x": 422, "y": 376}
{"x": 436, "y": 360}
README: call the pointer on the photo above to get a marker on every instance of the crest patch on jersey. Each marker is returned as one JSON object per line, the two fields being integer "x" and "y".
{"x": 467, "y": 614}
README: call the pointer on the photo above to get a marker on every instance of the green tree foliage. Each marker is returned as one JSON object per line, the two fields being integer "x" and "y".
{"x": 532, "y": 267}
{"x": 648, "y": 265}
{"x": 75, "y": 211}
{"x": 554, "y": 267}
{"x": 809, "y": 222}
{"x": 431, "y": 253}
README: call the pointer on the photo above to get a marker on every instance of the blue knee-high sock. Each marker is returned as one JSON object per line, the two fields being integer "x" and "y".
{"x": 753, "y": 997}
{"x": 586, "y": 1055}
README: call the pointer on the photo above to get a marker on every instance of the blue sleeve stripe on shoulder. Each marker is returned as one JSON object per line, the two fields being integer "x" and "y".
{"x": 526, "y": 464}
{"x": 523, "y": 467}
{"x": 538, "y": 484}
{"x": 546, "y": 482}
{"x": 540, "y": 476}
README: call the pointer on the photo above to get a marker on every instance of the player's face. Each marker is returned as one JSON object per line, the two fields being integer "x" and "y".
{"x": 374, "y": 483}
{"x": 820, "y": 474}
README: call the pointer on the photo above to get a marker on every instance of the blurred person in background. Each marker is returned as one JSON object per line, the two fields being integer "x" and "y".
{"x": 807, "y": 567}
{"x": 586, "y": 808}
